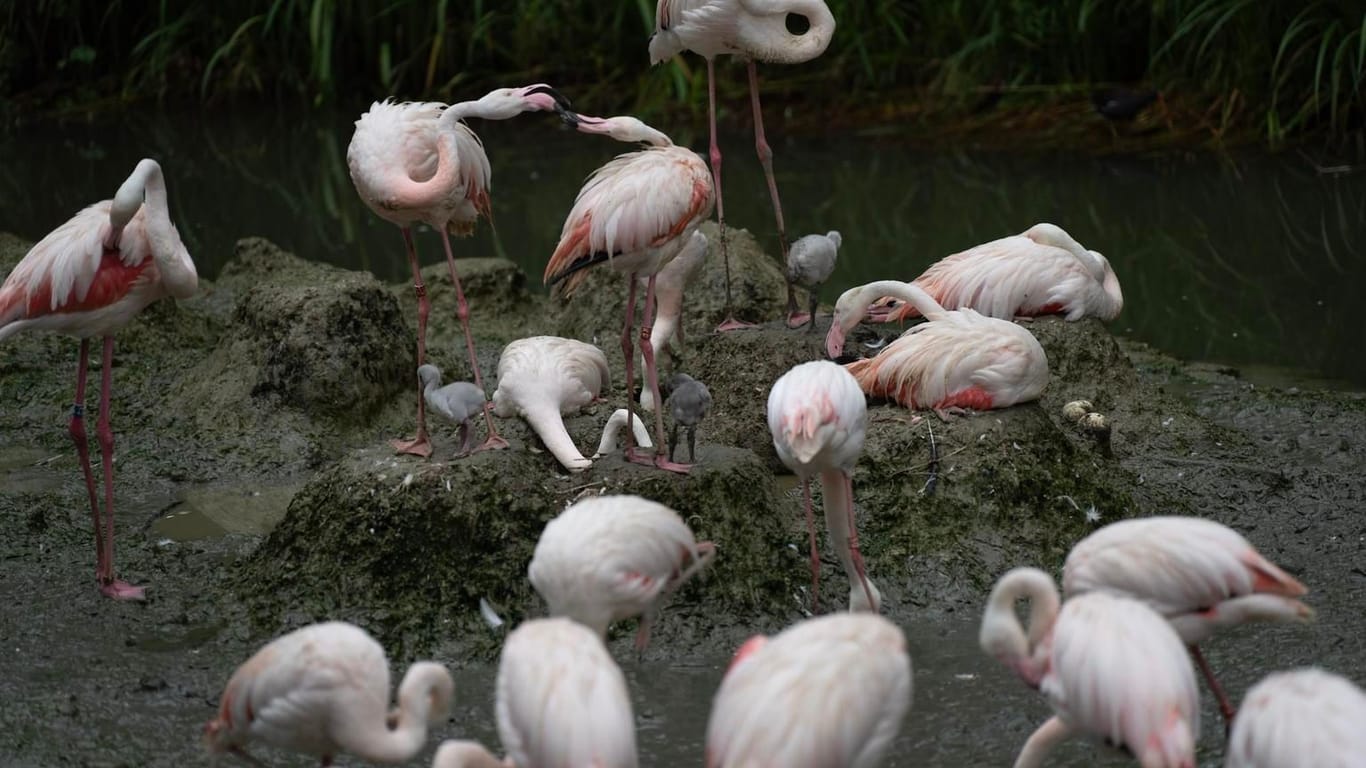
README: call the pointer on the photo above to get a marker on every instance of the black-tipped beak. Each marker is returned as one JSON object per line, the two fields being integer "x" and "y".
{"x": 560, "y": 101}
{"x": 570, "y": 118}
{"x": 844, "y": 359}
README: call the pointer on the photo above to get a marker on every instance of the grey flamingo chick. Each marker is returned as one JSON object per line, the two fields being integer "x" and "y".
{"x": 459, "y": 402}
{"x": 688, "y": 402}
{"x": 810, "y": 261}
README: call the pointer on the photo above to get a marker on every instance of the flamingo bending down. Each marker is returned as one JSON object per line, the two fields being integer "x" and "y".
{"x": 672, "y": 281}
{"x": 1297, "y": 718}
{"x": 417, "y": 162}
{"x": 829, "y": 691}
{"x": 614, "y": 425}
{"x": 775, "y": 31}
{"x": 91, "y": 277}
{"x": 540, "y": 378}
{"x": 1110, "y": 667}
{"x": 562, "y": 701}
{"x": 818, "y": 418}
{"x": 636, "y": 213}
{"x": 1041, "y": 271}
{"x": 960, "y": 359}
{"x": 1201, "y": 575}
{"x": 608, "y": 558}
{"x": 810, "y": 262}
{"x": 324, "y": 689}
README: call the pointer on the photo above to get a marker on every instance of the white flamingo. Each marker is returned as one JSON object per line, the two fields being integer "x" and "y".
{"x": 541, "y": 378}
{"x": 1300, "y": 718}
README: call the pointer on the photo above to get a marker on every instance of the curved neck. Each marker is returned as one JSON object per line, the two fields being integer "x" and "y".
{"x": 907, "y": 292}
{"x": 608, "y": 443}
{"x": 1111, "y": 286}
{"x": 545, "y": 419}
{"x": 406, "y": 193}
{"x": 1002, "y": 634}
{"x": 145, "y": 189}
{"x": 465, "y": 754}
{"x": 423, "y": 697}
{"x": 836, "y": 489}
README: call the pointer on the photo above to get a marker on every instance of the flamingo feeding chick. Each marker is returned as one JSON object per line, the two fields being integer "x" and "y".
{"x": 810, "y": 262}
{"x": 958, "y": 360}
{"x": 635, "y": 213}
{"x": 91, "y": 277}
{"x": 541, "y": 378}
{"x": 608, "y": 558}
{"x": 1299, "y": 718}
{"x": 418, "y": 163}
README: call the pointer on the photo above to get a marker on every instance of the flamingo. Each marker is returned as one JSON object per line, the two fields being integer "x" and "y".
{"x": 1042, "y": 271}
{"x": 324, "y": 689}
{"x": 688, "y": 403}
{"x": 1302, "y": 717}
{"x": 818, "y": 417}
{"x": 810, "y": 262}
{"x": 542, "y": 377}
{"x": 91, "y": 277}
{"x": 608, "y": 443}
{"x": 672, "y": 281}
{"x": 608, "y": 558}
{"x": 637, "y": 213}
{"x": 960, "y": 359}
{"x": 775, "y": 31}
{"x": 1110, "y": 667}
{"x": 417, "y": 162}
{"x": 829, "y": 691}
{"x": 562, "y": 702}
{"x": 457, "y": 402}
{"x": 1201, "y": 575}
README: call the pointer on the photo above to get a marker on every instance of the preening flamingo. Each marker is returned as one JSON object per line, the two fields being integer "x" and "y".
{"x": 1300, "y": 718}
{"x": 829, "y": 691}
{"x": 818, "y": 418}
{"x": 1110, "y": 667}
{"x": 324, "y": 689}
{"x": 635, "y": 213}
{"x": 562, "y": 703}
{"x": 1201, "y": 575}
{"x": 457, "y": 402}
{"x": 960, "y": 359}
{"x": 670, "y": 285}
{"x": 608, "y": 558}
{"x": 688, "y": 403}
{"x": 91, "y": 277}
{"x": 1042, "y": 271}
{"x": 418, "y": 163}
{"x": 542, "y": 377}
{"x": 810, "y": 262}
{"x": 771, "y": 31}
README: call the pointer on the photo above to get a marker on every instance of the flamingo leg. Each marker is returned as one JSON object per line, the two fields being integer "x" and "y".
{"x": 420, "y": 445}
{"x": 78, "y": 436}
{"x": 730, "y": 323}
{"x": 1043, "y": 741}
{"x": 659, "y": 459}
{"x": 854, "y": 552}
{"x": 462, "y": 311}
{"x": 766, "y": 160}
{"x": 630, "y": 363}
{"x": 104, "y": 432}
{"x": 1225, "y": 708}
{"x": 815, "y": 556}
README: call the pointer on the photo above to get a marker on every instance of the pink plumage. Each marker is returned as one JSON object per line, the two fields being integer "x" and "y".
{"x": 1303, "y": 717}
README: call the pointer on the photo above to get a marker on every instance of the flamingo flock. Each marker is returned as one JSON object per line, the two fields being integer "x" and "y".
{"x": 1113, "y": 653}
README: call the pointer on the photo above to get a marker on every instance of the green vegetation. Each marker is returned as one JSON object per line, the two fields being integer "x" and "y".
{"x": 1277, "y": 68}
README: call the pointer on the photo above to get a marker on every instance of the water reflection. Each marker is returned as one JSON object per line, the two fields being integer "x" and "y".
{"x": 1250, "y": 261}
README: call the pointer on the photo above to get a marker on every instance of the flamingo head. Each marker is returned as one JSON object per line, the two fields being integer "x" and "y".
{"x": 214, "y": 736}
{"x": 849, "y": 310}
{"x": 622, "y": 128}
{"x": 505, "y": 103}
{"x": 784, "y": 31}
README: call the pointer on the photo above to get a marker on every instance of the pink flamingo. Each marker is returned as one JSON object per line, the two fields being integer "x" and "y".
{"x": 818, "y": 418}
{"x": 1201, "y": 575}
{"x": 777, "y": 31}
{"x": 91, "y": 277}
{"x": 958, "y": 360}
{"x": 608, "y": 558}
{"x": 1110, "y": 667}
{"x": 562, "y": 701}
{"x": 636, "y": 213}
{"x": 673, "y": 280}
{"x": 417, "y": 162}
{"x": 1042, "y": 271}
{"x": 1297, "y": 718}
{"x": 829, "y": 691}
{"x": 324, "y": 689}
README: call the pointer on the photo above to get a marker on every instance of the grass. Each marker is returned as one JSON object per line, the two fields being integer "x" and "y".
{"x": 1280, "y": 70}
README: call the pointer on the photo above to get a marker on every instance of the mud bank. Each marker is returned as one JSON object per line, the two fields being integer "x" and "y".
{"x": 263, "y": 405}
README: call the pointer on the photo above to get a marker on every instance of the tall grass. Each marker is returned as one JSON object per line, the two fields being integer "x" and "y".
{"x": 1280, "y": 68}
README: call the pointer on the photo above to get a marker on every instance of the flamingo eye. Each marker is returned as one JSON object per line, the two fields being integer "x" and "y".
{"x": 797, "y": 24}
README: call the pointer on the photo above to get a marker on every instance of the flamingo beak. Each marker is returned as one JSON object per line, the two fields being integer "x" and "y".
{"x": 570, "y": 118}
{"x": 834, "y": 340}
{"x": 555, "y": 100}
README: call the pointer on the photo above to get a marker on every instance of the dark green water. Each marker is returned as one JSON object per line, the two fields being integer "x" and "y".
{"x": 1252, "y": 260}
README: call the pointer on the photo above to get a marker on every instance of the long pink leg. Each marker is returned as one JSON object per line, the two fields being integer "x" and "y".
{"x": 1225, "y": 708}
{"x": 766, "y": 160}
{"x": 110, "y": 586}
{"x": 854, "y": 552}
{"x": 630, "y": 363}
{"x": 420, "y": 445}
{"x": 78, "y": 436}
{"x": 462, "y": 311}
{"x": 730, "y": 323}
{"x": 660, "y": 460}
{"x": 815, "y": 557}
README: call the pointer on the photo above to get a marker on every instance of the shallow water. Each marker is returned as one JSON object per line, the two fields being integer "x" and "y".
{"x": 1249, "y": 260}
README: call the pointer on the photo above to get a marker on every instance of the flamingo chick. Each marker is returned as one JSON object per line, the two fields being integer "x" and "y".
{"x": 959, "y": 360}
{"x": 541, "y": 378}
{"x": 608, "y": 558}
{"x": 775, "y": 31}
{"x": 457, "y": 402}
{"x": 636, "y": 213}
{"x": 818, "y": 418}
{"x": 829, "y": 691}
{"x": 688, "y": 403}
{"x": 1110, "y": 667}
{"x": 673, "y": 280}
{"x": 1042, "y": 271}
{"x": 1201, "y": 575}
{"x": 91, "y": 277}
{"x": 324, "y": 689}
{"x": 810, "y": 262}
{"x": 561, "y": 702}
{"x": 418, "y": 163}
{"x": 1298, "y": 718}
